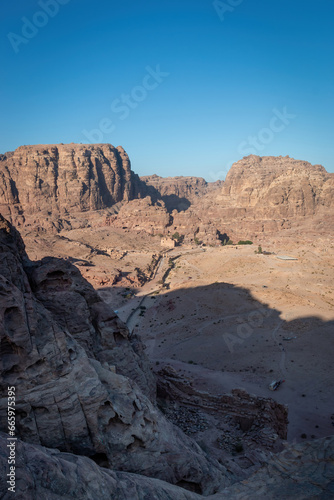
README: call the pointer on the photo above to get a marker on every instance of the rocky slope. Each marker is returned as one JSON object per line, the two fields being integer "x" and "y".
{"x": 83, "y": 386}
{"x": 267, "y": 195}
{"x": 259, "y": 196}
{"x": 46, "y": 184}
{"x": 304, "y": 471}
{"x": 86, "y": 419}
{"x": 178, "y": 193}
{"x": 74, "y": 185}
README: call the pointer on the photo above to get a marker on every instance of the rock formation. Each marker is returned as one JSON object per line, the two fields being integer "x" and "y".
{"x": 267, "y": 194}
{"x": 47, "y": 183}
{"x": 83, "y": 386}
{"x": 142, "y": 215}
{"x": 178, "y": 193}
{"x": 304, "y": 471}
{"x": 74, "y": 185}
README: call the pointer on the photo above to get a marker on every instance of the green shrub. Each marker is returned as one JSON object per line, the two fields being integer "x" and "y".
{"x": 246, "y": 242}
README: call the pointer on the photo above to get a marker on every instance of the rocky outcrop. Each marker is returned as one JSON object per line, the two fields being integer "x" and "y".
{"x": 46, "y": 184}
{"x": 142, "y": 215}
{"x": 277, "y": 187}
{"x": 304, "y": 471}
{"x": 78, "y": 376}
{"x": 178, "y": 193}
{"x": 69, "y": 186}
{"x": 259, "y": 196}
{"x": 47, "y": 474}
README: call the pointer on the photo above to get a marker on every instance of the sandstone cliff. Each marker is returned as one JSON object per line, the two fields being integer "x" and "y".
{"x": 83, "y": 385}
{"x": 259, "y": 196}
{"x": 178, "y": 193}
{"x": 304, "y": 471}
{"x": 45, "y": 183}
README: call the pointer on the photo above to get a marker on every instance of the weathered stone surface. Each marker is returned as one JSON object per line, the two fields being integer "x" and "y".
{"x": 304, "y": 471}
{"x": 142, "y": 215}
{"x": 70, "y": 186}
{"x": 46, "y": 184}
{"x": 67, "y": 355}
{"x": 178, "y": 193}
{"x": 47, "y": 474}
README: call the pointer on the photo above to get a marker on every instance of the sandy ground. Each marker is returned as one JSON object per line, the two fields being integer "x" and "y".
{"x": 227, "y": 317}
{"x": 232, "y": 318}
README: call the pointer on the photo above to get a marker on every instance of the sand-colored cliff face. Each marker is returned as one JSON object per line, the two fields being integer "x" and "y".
{"x": 57, "y": 180}
{"x": 277, "y": 187}
{"x": 69, "y": 186}
{"x": 85, "y": 386}
{"x": 178, "y": 192}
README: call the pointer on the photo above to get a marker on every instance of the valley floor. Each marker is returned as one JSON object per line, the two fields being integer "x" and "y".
{"x": 226, "y": 317}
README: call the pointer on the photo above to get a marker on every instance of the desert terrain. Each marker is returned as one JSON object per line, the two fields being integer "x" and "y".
{"x": 224, "y": 317}
{"x": 144, "y": 320}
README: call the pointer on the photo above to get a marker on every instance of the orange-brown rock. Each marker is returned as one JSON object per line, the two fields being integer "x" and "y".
{"x": 178, "y": 193}
{"x": 41, "y": 184}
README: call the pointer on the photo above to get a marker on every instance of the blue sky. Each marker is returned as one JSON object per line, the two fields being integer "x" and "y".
{"x": 235, "y": 77}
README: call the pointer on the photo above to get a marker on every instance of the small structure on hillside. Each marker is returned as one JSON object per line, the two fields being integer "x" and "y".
{"x": 167, "y": 242}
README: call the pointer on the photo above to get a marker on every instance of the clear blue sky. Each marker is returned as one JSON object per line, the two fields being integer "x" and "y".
{"x": 227, "y": 72}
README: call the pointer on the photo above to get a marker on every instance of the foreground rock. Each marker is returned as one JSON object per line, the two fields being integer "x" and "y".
{"x": 76, "y": 375}
{"x": 304, "y": 471}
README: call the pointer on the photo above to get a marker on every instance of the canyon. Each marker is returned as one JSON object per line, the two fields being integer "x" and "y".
{"x": 142, "y": 371}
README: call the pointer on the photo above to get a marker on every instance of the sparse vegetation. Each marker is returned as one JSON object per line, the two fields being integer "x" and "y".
{"x": 245, "y": 242}
{"x": 177, "y": 237}
{"x": 197, "y": 241}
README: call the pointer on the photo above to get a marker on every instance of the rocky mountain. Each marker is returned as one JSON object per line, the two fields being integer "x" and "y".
{"x": 267, "y": 195}
{"x": 44, "y": 184}
{"x": 84, "y": 386}
{"x": 303, "y": 471}
{"x": 178, "y": 193}
{"x": 69, "y": 186}
{"x": 86, "y": 418}
{"x": 277, "y": 187}
{"x": 261, "y": 195}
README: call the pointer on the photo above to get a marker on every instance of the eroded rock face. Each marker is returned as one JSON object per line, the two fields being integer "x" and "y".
{"x": 178, "y": 193}
{"x": 304, "y": 471}
{"x": 47, "y": 474}
{"x": 42, "y": 184}
{"x": 277, "y": 187}
{"x": 260, "y": 195}
{"x": 78, "y": 377}
{"x": 142, "y": 215}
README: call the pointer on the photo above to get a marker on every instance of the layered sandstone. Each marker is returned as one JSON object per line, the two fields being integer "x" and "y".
{"x": 261, "y": 195}
{"x": 303, "y": 471}
{"x": 178, "y": 193}
{"x": 47, "y": 183}
{"x": 83, "y": 385}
